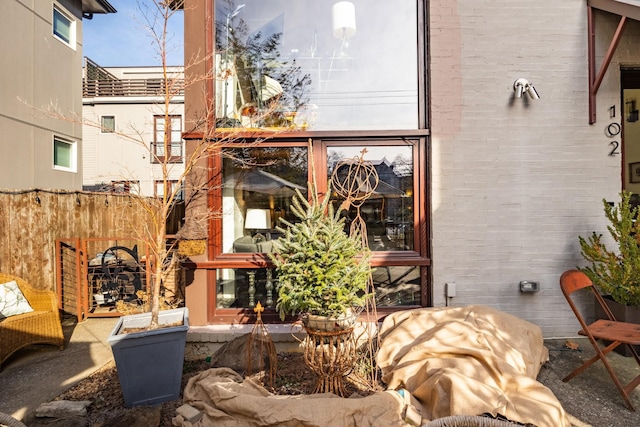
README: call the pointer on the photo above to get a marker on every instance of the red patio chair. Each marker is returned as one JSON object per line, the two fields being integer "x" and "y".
{"x": 618, "y": 333}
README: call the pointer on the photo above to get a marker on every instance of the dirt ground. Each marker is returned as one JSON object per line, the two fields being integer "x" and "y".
{"x": 103, "y": 388}
{"x": 590, "y": 399}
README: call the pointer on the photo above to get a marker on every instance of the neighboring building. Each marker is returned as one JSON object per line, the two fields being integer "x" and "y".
{"x": 42, "y": 72}
{"x": 123, "y": 112}
{"x": 495, "y": 186}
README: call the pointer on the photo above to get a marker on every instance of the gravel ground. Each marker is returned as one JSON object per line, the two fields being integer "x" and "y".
{"x": 590, "y": 399}
{"x": 103, "y": 387}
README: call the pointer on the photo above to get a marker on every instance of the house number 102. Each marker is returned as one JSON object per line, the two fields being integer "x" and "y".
{"x": 613, "y": 129}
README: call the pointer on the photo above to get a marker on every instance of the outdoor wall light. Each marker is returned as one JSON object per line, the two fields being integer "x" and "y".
{"x": 521, "y": 86}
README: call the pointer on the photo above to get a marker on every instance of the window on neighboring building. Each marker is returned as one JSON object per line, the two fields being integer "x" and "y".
{"x": 173, "y": 130}
{"x": 107, "y": 124}
{"x": 127, "y": 187}
{"x": 64, "y": 27}
{"x": 175, "y": 186}
{"x": 64, "y": 154}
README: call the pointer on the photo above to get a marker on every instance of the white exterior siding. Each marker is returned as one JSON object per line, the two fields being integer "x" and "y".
{"x": 114, "y": 157}
{"x": 39, "y": 74}
{"x": 516, "y": 181}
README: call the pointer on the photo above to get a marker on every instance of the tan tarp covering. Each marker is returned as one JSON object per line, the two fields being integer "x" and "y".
{"x": 469, "y": 361}
{"x": 228, "y": 401}
{"x": 455, "y": 361}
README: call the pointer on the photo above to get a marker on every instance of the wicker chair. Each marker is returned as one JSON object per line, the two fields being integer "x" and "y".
{"x": 9, "y": 421}
{"x": 470, "y": 421}
{"x": 41, "y": 326}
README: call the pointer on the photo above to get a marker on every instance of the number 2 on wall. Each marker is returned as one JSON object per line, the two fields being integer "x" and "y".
{"x": 614, "y": 151}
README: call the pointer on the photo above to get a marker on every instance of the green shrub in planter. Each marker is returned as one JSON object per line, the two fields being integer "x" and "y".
{"x": 320, "y": 269}
{"x": 616, "y": 272}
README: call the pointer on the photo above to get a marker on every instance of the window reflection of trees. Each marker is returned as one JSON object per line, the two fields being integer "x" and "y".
{"x": 268, "y": 176}
{"x": 267, "y": 90}
{"x": 289, "y": 163}
{"x": 388, "y": 212}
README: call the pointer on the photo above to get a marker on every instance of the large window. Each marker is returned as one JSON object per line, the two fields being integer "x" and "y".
{"x": 257, "y": 186}
{"x": 379, "y": 182}
{"x": 173, "y": 130}
{"x": 64, "y": 27}
{"x": 318, "y": 87}
{"x": 64, "y": 154}
{"x": 314, "y": 65}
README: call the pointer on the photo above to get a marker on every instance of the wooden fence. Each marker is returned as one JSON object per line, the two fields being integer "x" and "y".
{"x": 32, "y": 220}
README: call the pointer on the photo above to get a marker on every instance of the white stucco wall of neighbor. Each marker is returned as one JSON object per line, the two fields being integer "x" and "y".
{"x": 516, "y": 181}
{"x": 124, "y": 155}
{"x": 111, "y": 156}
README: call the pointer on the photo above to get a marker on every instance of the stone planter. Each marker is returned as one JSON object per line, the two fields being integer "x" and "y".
{"x": 149, "y": 362}
{"x": 623, "y": 313}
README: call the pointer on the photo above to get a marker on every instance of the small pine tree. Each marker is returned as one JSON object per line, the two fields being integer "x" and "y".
{"x": 320, "y": 269}
{"x": 616, "y": 273}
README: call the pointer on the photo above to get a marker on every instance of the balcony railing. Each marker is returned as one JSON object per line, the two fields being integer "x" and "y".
{"x": 131, "y": 87}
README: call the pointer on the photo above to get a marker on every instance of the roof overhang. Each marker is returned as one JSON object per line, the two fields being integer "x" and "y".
{"x": 626, "y": 9}
{"x": 97, "y": 6}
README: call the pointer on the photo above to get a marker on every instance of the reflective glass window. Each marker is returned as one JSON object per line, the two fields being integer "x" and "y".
{"x": 64, "y": 154}
{"x": 316, "y": 65}
{"x": 63, "y": 27}
{"x": 397, "y": 286}
{"x": 108, "y": 124}
{"x": 377, "y": 182}
{"x": 258, "y": 184}
{"x": 244, "y": 287}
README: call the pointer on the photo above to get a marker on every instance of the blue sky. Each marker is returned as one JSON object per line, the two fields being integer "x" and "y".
{"x": 122, "y": 38}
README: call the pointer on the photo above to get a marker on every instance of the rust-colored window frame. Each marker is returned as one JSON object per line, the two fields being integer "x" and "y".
{"x": 157, "y": 146}
{"x": 216, "y": 260}
{"x": 420, "y": 257}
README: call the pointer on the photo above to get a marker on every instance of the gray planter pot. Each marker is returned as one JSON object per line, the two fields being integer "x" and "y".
{"x": 149, "y": 363}
{"x": 623, "y": 313}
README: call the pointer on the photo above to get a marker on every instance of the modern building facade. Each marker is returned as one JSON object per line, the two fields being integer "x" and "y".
{"x": 123, "y": 129}
{"x": 41, "y": 92}
{"x": 496, "y": 130}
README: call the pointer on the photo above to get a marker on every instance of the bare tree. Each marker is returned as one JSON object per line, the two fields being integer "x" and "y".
{"x": 193, "y": 181}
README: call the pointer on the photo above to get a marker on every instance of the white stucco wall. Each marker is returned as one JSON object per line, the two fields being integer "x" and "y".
{"x": 516, "y": 181}
{"x": 111, "y": 156}
{"x": 40, "y": 79}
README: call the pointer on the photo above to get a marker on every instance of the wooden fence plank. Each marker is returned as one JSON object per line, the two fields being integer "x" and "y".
{"x": 32, "y": 220}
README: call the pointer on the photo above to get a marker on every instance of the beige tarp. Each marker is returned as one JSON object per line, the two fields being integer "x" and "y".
{"x": 228, "y": 401}
{"x": 469, "y": 361}
{"x": 455, "y": 361}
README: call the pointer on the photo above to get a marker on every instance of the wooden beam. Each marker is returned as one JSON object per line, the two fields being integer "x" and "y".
{"x": 596, "y": 80}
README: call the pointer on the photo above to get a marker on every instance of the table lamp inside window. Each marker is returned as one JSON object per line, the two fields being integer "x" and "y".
{"x": 258, "y": 220}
